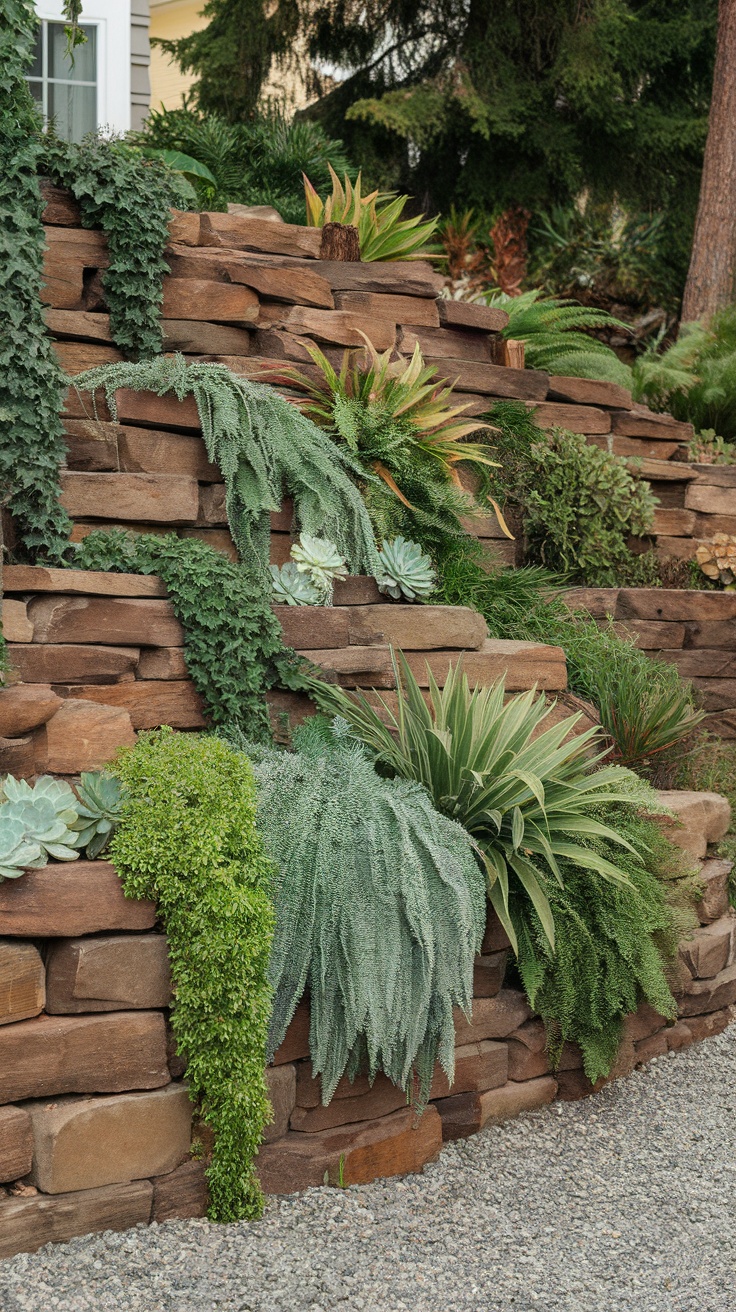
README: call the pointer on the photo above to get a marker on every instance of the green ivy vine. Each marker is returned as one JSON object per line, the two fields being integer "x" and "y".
{"x": 188, "y": 839}
{"x": 129, "y": 197}
{"x": 232, "y": 639}
{"x": 31, "y": 383}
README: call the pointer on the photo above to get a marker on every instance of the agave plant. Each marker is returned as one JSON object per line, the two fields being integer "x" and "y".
{"x": 384, "y": 409}
{"x": 292, "y": 588}
{"x": 17, "y": 853}
{"x": 99, "y": 811}
{"x": 523, "y": 798}
{"x": 321, "y": 562}
{"x": 384, "y": 235}
{"x": 406, "y": 570}
{"x": 46, "y": 810}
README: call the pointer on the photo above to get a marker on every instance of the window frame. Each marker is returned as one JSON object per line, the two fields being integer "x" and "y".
{"x": 111, "y": 18}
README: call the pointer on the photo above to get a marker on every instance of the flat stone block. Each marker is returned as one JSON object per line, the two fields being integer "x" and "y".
{"x": 15, "y": 623}
{"x": 26, "y": 1224}
{"x": 82, "y": 736}
{"x": 355, "y": 1154}
{"x": 311, "y": 627}
{"x": 704, "y": 995}
{"x": 469, "y": 1112}
{"x": 162, "y": 663}
{"x": 88, "y": 582}
{"x": 478, "y": 1067}
{"x": 57, "y": 663}
{"x": 120, "y": 621}
{"x": 521, "y": 664}
{"x": 704, "y": 1027}
{"x": 488, "y": 974}
{"x": 418, "y": 628}
{"x": 703, "y": 818}
{"x": 152, "y": 498}
{"x": 84, "y": 1143}
{"x": 714, "y": 877}
{"x": 149, "y": 702}
{"x": 24, "y": 708}
{"x": 16, "y": 1143}
{"x": 181, "y": 1194}
{"x": 68, "y": 899}
{"x": 296, "y": 1040}
{"x": 18, "y": 757}
{"x": 112, "y": 973}
{"x": 52, "y": 1055}
{"x": 378, "y": 1101}
{"x": 492, "y": 1018}
{"x": 281, "y": 1085}
{"x": 22, "y": 981}
{"x": 710, "y": 949}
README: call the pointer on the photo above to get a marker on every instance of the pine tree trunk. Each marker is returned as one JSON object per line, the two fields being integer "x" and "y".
{"x": 712, "y": 273}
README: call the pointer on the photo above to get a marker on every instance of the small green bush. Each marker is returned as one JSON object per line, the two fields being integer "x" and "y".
{"x": 188, "y": 839}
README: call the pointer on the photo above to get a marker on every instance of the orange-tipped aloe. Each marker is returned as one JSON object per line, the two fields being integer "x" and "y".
{"x": 384, "y": 235}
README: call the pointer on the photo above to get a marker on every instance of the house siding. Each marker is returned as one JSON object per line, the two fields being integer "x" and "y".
{"x": 140, "y": 59}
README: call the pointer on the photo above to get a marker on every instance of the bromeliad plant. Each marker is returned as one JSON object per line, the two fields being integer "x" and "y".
{"x": 384, "y": 235}
{"x": 524, "y": 800}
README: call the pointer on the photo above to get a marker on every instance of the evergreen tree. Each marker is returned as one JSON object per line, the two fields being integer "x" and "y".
{"x": 233, "y": 54}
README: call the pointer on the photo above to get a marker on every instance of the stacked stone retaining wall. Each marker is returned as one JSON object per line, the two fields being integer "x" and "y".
{"x": 95, "y": 1120}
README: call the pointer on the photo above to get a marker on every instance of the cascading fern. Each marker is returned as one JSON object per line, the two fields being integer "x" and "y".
{"x": 31, "y": 383}
{"x": 265, "y": 450}
{"x": 380, "y": 908}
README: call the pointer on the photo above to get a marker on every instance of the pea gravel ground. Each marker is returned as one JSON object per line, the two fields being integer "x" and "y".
{"x": 622, "y": 1203}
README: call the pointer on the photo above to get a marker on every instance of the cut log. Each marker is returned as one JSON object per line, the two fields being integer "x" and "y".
{"x": 340, "y": 241}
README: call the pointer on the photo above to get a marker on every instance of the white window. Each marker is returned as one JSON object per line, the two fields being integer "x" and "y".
{"x": 94, "y": 91}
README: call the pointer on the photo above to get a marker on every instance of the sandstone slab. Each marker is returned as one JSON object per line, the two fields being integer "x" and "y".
{"x": 412, "y": 310}
{"x": 281, "y": 1086}
{"x": 588, "y": 391}
{"x": 675, "y": 604}
{"x": 150, "y": 451}
{"x": 295, "y": 1044}
{"x": 17, "y": 757}
{"x": 16, "y": 626}
{"x": 26, "y": 1224}
{"x": 82, "y": 736}
{"x": 162, "y": 663}
{"x": 521, "y": 664}
{"x": 124, "y": 621}
{"x": 150, "y": 702}
{"x": 89, "y": 582}
{"x": 488, "y": 974}
{"x": 147, "y": 498}
{"x": 492, "y": 1018}
{"x": 703, "y": 818}
{"x": 240, "y": 232}
{"x": 25, "y": 708}
{"x": 478, "y": 1067}
{"x": 383, "y": 1098}
{"x": 109, "y": 973}
{"x": 193, "y": 337}
{"x": 704, "y": 995}
{"x": 358, "y": 590}
{"x": 91, "y": 444}
{"x": 51, "y": 1055}
{"x": 180, "y": 1194}
{"x": 495, "y": 380}
{"x": 714, "y": 876}
{"x": 310, "y": 627}
{"x": 576, "y": 418}
{"x": 70, "y": 899}
{"x": 60, "y": 663}
{"x": 466, "y": 314}
{"x": 704, "y": 1027}
{"x": 84, "y": 1143}
{"x": 156, "y": 411}
{"x": 394, "y": 1145}
{"x": 418, "y": 628}
{"x": 221, "y": 302}
{"x": 22, "y": 981}
{"x": 16, "y": 1143}
{"x": 711, "y": 499}
{"x": 466, "y": 1113}
{"x": 640, "y": 422}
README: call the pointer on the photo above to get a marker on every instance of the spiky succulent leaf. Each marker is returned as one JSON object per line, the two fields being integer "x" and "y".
{"x": 292, "y": 588}
{"x": 320, "y": 560}
{"x": 46, "y": 811}
{"x": 100, "y": 802}
{"x": 406, "y": 571}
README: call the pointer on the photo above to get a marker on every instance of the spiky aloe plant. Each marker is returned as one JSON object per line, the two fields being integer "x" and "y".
{"x": 384, "y": 235}
{"x": 406, "y": 570}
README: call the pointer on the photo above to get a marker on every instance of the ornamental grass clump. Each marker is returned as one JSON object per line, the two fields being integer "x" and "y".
{"x": 188, "y": 840}
{"x": 380, "y": 910}
{"x": 383, "y": 233}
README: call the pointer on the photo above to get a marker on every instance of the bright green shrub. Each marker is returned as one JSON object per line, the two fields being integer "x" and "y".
{"x": 188, "y": 840}
{"x": 579, "y": 504}
{"x": 380, "y": 911}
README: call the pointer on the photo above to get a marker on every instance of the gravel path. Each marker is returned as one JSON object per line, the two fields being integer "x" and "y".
{"x": 622, "y": 1203}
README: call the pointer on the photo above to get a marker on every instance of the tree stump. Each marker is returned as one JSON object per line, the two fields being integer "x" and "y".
{"x": 340, "y": 241}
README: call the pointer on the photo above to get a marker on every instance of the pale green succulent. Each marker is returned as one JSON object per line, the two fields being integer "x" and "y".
{"x": 100, "y": 810}
{"x": 320, "y": 560}
{"x": 44, "y": 813}
{"x": 406, "y": 571}
{"x": 17, "y": 854}
{"x": 292, "y": 588}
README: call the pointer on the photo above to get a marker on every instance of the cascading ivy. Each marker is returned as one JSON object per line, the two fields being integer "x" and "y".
{"x": 31, "y": 383}
{"x": 232, "y": 639}
{"x": 129, "y": 197}
{"x": 188, "y": 839}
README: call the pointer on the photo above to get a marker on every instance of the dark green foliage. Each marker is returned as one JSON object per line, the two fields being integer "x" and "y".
{"x": 232, "y": 639}
{"x": 233, "y": 54}
{"x": 695, "y": 377}
{"x": 557, "y": 336}
{"x": 380, "y": 910}
{"x": 579, "y": 504}
{"x": 524, "y": 103}
{"x": 129, "y": 197}
{"x": 265, "y": 450}
{"x": 31, "y": 383}
{"x": 188, "y": 839}
{"x": 615, "y": 945}
{"x": 258, "y": 162}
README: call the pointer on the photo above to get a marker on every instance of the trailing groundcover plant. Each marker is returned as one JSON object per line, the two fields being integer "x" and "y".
{"x": 188, "y": 839}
